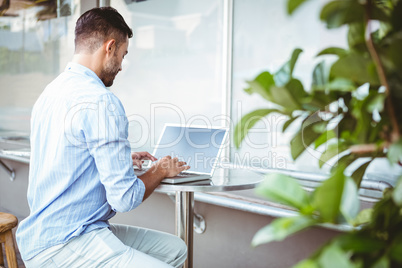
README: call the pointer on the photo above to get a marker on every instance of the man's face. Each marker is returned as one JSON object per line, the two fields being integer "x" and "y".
{"x": 113, "y": 65}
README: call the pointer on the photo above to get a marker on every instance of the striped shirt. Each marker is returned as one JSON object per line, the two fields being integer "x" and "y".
{"x": 81, "y": 171}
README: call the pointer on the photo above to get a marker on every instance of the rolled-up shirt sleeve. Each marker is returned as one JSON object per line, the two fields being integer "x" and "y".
{"x": 106, "y": 130}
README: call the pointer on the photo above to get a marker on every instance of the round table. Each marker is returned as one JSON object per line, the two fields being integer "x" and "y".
{"x": 224, "y": 179}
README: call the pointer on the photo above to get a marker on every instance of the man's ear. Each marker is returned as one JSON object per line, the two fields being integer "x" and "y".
{"x": 110, "y": 46}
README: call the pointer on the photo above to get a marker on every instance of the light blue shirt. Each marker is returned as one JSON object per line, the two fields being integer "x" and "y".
{"x": 81, "y": 171}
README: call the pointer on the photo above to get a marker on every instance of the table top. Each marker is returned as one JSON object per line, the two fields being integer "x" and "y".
{"x": 15, "y": 149}
{"x": 224, "y": 179}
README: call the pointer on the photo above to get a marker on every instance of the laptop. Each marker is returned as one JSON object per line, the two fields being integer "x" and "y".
{"x": 198, "y": 146}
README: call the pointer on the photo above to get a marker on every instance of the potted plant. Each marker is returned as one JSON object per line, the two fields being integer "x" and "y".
{"x": 353, "y": 109}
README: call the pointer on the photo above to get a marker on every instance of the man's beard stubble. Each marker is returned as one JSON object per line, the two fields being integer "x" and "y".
{"x": 109, "y": 72}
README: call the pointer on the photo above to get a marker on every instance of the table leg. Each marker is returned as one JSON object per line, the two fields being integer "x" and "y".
{"x": 184, "y": 222}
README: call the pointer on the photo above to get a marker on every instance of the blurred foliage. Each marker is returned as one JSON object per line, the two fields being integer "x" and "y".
{"x": 353, "y": 109}
{"x": 49, "y": 10}
{"x": 22, "y": 61}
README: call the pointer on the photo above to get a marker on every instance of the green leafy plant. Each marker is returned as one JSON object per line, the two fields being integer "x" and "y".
{"x": 353, "y": 109}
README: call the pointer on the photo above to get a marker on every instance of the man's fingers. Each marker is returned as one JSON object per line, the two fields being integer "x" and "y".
{"x": 137, "y": 163}
{"x": 143, "y": 156}
{"x": 147, "y": 156}
{"x": 182, "y": 168}
{"x": 173, "y": 165}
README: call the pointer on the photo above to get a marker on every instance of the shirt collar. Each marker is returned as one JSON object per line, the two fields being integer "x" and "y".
{"x": 81, "y": 69}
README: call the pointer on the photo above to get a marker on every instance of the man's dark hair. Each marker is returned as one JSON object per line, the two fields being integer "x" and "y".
{"x": 98, "y": 25}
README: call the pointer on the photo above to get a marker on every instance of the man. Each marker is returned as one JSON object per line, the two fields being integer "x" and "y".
{"x": 81, "y": 170}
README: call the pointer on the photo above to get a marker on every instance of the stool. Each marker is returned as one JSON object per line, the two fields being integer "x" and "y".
{"x": 7, "y": 223}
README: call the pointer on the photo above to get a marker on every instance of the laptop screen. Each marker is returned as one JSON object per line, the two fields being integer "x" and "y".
{"x": 197, "y": 146}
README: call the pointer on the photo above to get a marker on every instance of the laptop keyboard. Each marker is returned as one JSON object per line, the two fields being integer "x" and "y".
{"x": 185, "y": 174}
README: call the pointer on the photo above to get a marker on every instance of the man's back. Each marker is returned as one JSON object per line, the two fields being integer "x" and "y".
{"x": 79, "y": 149}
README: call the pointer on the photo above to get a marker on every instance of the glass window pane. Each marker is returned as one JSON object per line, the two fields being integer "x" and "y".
{"x": 36, "y": 42}
{"x": 265, "y": 43}
{"x": 172, "y": 73}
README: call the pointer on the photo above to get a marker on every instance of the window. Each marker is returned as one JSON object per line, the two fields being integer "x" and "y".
{"x": 35, "y": 45}
{"x": 265, "y": 43}
{"x": 173, "y": 71}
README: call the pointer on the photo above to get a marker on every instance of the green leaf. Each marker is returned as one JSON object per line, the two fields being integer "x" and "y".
{"x": 284, "y": 189}
{"x": 393, "y": 53}
{"x": 293, "y": 5}
{"x": 376, "y": 131}
{"x": 361, "y": 132}
{"x": 345, "y": 126}
{"x": 306, "y": 264}
{"x": 395, "y": 152}
{"x": 377, "y": 13}
{"x": 397, "y": 193}
{"x": 326, "y": 136}
{"x": 306, "y": 136}
{"x": 358, "y": 174}
{"x": 384, "y": 30}
{"x": 382, "y": 263}
{"x": 320, "y": 78}
{"x": 396, "y": 17}
{"x": 350, "y": 201}
{"x": 345, "y": 161}
{"x": 320, "y": 127}
{"x": 333, "y": 150}
{"x": 375, "y": 102}
{"x": 282, "y": 97}
{"x": 363, "y": 217}
{"x": 341, "y": 52}
{"x": 334, "y": 257}
{"x": 289, "y": 96}
{"x": 359, "y": 243}
{"x": 338, "y": 13}
{"x": 356, "y": 38}
{"x": 261, "y": 85}
{"x": 395, "y": 251}
{"x": 284, "y": 74}
{"x": 327, "y": 197}
{"x": 281, "y": 228}
{"x": 288, "y": 123}
{"x": 386, "y": 215}
{"x": 320, "y": 100}
{"x": 341, "y": 85}
{"x": 296, "y": 89}
{"x": 356, "y": 68}
{"x": 247, "y": 122}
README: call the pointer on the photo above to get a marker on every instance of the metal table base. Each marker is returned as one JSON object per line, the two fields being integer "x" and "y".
{"x": 224, "y": 179}
{"x": 184, "y": 222}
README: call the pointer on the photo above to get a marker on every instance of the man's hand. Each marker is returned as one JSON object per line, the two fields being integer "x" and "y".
{"x": 139, "y": 157}
{"x": 170, "y": 166}
{"x": 165, "y": 167}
